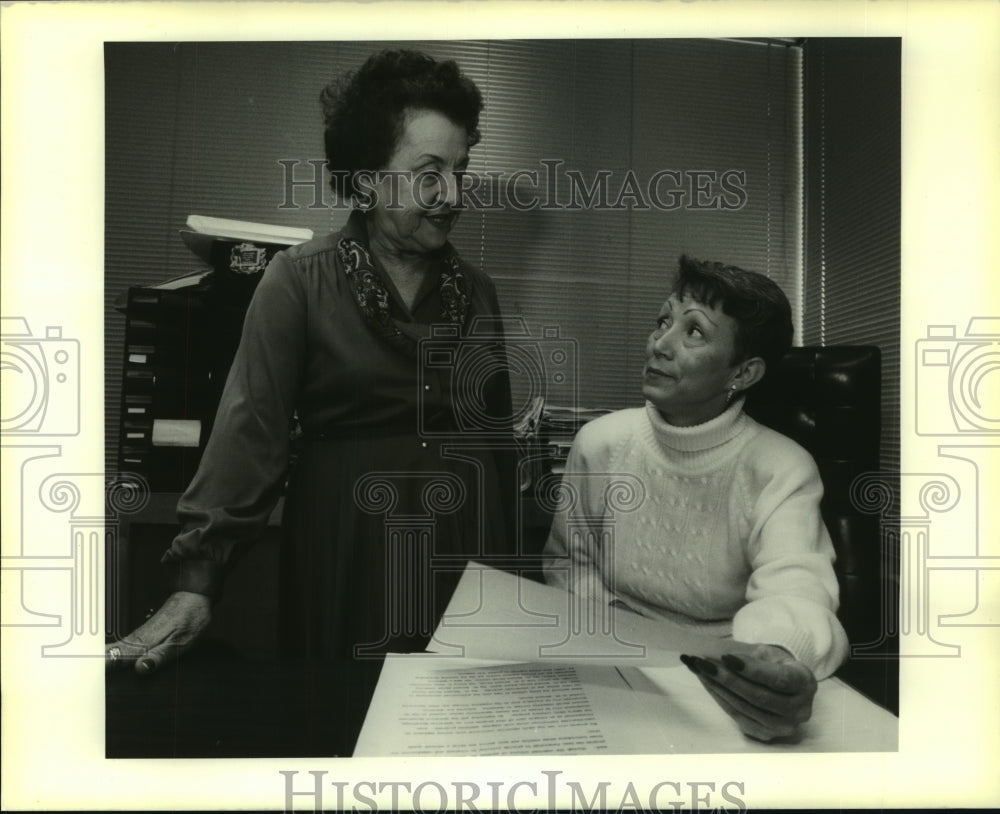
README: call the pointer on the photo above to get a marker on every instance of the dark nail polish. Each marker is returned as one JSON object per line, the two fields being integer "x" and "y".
{"x": 689, "y": 662}
{"x": 705, "y": 667}
{"x": 733, "y": 663}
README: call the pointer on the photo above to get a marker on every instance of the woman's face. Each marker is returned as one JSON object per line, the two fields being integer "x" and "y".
{"x": 417, "y": 191}
{"x": 689, "y": 357}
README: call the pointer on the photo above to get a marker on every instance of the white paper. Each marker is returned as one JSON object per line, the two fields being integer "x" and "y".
{"x": 842, "y": 720}
{"x": 450, "y": 706}
{"x": 515, "y": 672}
{"x": 496, "y": 615}
{"x": 440, "y": 705}
{"x": 176, "y": 432}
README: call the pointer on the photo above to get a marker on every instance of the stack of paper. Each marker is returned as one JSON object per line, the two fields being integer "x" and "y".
{"x": 515, "y": 673}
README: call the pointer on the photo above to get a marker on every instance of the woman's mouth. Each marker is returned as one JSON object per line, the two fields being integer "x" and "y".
{"x": 442, "y": 220}
{"x": 652, "y": 372}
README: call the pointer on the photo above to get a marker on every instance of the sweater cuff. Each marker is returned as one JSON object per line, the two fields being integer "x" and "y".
{"x": 195, "y": 576}
{"x": 797, "y": 642}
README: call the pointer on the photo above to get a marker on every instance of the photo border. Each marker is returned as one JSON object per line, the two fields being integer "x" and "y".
{"x": 52, "y": 256}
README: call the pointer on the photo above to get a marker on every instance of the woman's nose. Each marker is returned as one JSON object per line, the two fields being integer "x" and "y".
{"x": 448, "y": 191}
{"x": 663, "y": 343}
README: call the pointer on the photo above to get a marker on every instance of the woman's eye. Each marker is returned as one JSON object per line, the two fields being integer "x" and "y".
{"x": 663, "y": 322}
{"x": 427, "y": 177}
{"x": 695, "y": 330}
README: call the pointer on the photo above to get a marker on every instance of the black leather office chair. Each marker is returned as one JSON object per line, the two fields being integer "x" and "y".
{"x": 828, "y": 400}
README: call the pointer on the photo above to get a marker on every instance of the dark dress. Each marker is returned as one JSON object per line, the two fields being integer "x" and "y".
{"x": 405, "y": 469}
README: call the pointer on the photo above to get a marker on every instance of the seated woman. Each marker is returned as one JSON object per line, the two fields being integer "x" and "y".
{"x": 729, "y": 537}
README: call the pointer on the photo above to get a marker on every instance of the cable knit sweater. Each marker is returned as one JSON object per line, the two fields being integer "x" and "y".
{"x": 715, "y": 526}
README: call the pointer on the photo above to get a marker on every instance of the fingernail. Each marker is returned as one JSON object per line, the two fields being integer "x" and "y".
{"x": 689, "y": 662}
{"x": 706, "y": 667}
{"x": 143, "y": 666}
{"x": 733, "y": 663}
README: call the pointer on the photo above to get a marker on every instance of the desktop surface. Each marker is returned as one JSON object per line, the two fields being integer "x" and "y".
{"x": 213, "y": 704}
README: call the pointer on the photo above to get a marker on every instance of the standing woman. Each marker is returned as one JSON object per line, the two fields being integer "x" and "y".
{"x": 332, "y": 336}
{"x": 728, "y": 539}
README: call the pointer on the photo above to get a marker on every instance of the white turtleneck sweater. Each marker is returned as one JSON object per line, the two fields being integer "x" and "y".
{"x": 715, "y": 526}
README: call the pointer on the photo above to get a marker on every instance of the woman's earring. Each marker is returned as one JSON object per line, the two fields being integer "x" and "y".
{"x": 731, "y": 394}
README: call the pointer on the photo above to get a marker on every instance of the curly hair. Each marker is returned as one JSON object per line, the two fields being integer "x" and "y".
{"x": 364, "y": 110}
{"x": 762, "y": 312}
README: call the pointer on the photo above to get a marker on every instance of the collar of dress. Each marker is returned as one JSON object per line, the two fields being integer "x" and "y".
{"x": 372, "y": 296}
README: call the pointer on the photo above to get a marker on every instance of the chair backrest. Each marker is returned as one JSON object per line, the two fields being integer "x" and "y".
{"x": 828, "y": 399}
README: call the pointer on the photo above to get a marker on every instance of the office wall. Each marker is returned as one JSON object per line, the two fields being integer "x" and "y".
{"x": 200, "y": 128}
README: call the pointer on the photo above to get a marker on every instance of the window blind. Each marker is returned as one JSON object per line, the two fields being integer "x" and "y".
{"x": 695, "y": 108}
{"x": 852, "y": 269}
{"x": 201, "y": 128}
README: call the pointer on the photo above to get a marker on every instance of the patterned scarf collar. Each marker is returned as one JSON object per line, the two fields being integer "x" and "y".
{"x": 373, "y": 297}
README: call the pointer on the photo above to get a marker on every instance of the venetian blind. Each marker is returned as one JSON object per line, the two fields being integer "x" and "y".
{"x": 201, "y": 128}
{"x": 593, "y": 279}
{"x": 852, "y": 270}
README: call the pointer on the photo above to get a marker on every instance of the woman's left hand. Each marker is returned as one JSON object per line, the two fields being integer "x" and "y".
{"x": 768, "y": 693}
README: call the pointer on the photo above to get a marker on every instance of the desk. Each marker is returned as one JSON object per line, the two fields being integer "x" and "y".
{"x": 211, "y": 704}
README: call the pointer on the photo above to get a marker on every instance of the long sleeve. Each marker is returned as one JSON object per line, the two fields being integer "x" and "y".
{"x": 575, "y": 557}
{"x": 728, "y": 537}
{"x": 792, "y": 593}
{"x": 239, "y": 479}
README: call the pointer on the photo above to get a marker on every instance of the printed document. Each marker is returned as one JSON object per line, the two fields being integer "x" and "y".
{"x": 512, "y": 675}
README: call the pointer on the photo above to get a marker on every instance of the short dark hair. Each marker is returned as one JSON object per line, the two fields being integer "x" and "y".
{"x": 364, "y": 110}
{"x": 762, "y": 312}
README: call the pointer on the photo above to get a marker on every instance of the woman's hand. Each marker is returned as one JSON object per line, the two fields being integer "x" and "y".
{"x": 768, "y": 693}
{"x": 164, "y": 636}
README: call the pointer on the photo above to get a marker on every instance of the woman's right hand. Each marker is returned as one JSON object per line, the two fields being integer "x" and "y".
{"x": 769, "y": 693}
{"x": 164, "y": 636}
